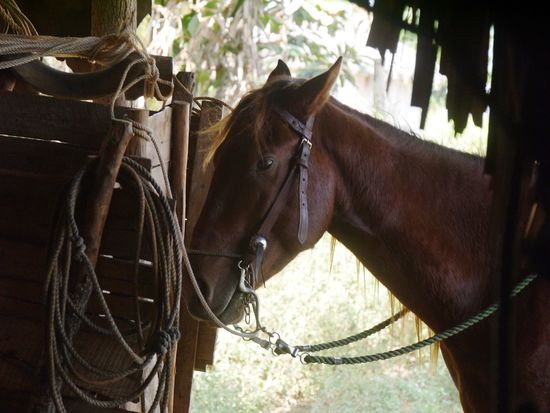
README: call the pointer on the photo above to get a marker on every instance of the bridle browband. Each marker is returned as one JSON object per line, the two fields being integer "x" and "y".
{"x": 258, "y": 242}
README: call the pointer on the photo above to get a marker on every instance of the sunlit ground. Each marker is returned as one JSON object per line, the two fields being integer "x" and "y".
{"x": 307, "y": 304}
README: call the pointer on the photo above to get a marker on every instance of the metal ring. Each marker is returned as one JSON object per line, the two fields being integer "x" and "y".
{"x": 271, "y": 337}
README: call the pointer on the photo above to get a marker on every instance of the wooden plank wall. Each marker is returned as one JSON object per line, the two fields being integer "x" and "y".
{"x": 34, "y": 173}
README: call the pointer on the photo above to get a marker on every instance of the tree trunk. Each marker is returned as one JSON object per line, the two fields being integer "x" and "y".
{"x": 113, "y": 16}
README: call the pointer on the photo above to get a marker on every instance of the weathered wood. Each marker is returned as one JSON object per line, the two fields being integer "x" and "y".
{"x": 39, "y": 158}
{"x": 113, "y": 16}
{"x": 54, "y": 119}
{"x": 84, "y": 124}
{"x": 198, "y": 181}
{"x": 28, "y": 262}
{"x": 210, "y": 114}
{"x": 159, "y": 123}
{"x": 91, "y": 85}
{"x": 99, "y": 199}
{"x": 184, "y": 359}
{"x": 206, "y": 340}
{"x": 102, "y": 190}
{"x": 67, "y": 17}
{"x": 180, "y": 140}
{"x": 31, "y": 292}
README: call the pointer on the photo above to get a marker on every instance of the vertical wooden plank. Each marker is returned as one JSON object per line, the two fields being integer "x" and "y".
{"x": 185, "y": 353}
{"x": 199, "y": 182}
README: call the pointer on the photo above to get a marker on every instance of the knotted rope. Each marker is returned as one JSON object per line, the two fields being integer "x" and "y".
{"x": 65, "y": 360}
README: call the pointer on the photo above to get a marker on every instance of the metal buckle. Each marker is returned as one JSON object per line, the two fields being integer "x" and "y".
{"x": 306, "y": 141}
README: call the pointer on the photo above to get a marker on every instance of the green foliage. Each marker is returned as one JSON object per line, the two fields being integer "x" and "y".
{"x": 233, "y": 44}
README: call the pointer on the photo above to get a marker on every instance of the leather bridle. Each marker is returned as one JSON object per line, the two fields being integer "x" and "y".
{"x": 299, "y": 166}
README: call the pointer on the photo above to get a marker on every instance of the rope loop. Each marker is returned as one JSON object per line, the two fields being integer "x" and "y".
{"x": 154, "y": 355}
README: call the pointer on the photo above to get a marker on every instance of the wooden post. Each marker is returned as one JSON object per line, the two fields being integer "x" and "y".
{"x": 113, "y": 16}
{"x": 187, "y": 346}
{"x": 110, "y": 159}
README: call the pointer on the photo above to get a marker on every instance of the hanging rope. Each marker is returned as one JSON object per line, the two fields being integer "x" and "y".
{"x": 69, "y": 248}
{"x": 15, "y": 18}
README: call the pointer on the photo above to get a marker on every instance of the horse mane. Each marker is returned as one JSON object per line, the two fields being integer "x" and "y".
{"x": 255, "y": 104}
{"x": 255, "y": 108}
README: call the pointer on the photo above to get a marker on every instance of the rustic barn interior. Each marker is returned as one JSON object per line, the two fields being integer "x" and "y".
{"x": 518, "y": 153}
{"x": 52, "y": 123}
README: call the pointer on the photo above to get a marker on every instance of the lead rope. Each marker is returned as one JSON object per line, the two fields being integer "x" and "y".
{"x": 303, "y": 351}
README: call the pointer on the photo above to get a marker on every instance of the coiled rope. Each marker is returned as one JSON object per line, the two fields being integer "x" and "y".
{"x": 65, "y": 360}
{"x": 155, "y": 353}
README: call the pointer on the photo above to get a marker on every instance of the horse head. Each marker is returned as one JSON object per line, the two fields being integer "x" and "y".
{"x": 271, "y": 184}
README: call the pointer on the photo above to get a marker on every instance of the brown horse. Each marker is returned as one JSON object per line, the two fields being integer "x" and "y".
{"x": 416, "y": 214}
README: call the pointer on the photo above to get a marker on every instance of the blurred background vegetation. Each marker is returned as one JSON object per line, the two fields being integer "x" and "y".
{"x": 232, "y": 45}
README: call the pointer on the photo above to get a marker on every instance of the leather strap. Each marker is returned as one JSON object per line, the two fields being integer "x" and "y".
{"x": 299, "y": 166}
{"x": 301, "y": 162}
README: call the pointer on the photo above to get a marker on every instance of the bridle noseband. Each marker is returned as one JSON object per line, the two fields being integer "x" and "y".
{"x": 258, "y": 242}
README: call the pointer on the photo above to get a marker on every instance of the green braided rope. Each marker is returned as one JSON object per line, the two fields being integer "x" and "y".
{"x": 308, "y": 359}
{"x": 312, "y": 348}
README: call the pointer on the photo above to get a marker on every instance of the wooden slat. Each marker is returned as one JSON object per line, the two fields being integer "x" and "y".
{"x": 118, "y": 276}
{"x": 200, "y": 179}
{"x": 81, "y": 123}
{"x": 121, "y": 307}
{"x": 206, "y": 345}
{"x": 27, "y": 206}
{"x": 40, "y": 157}
{"x": 28, "y": 262}
{"x": 184, "y": 359}
{"x": 23, "y": 260}
{"x": 16, "y": 308}
{"x": 26, "y": 297}
{"x": 210, "y": 114}
{"x": 21, "y": 341}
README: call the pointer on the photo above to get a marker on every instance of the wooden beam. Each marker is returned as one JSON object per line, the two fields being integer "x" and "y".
{"x": 89, "y": 85}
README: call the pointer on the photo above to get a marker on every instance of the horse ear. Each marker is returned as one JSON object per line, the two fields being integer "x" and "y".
{"x": 281, "y": 71}
{"x": 316, "y": 92}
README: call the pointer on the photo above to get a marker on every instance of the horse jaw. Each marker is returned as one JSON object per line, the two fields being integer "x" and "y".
{"x": 231, "y": 313}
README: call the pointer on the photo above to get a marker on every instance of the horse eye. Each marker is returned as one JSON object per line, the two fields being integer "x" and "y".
{"x": 264, "y": 164}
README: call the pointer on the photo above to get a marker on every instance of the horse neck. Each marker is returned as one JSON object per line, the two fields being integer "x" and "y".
{"x": 414, "y": 213}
